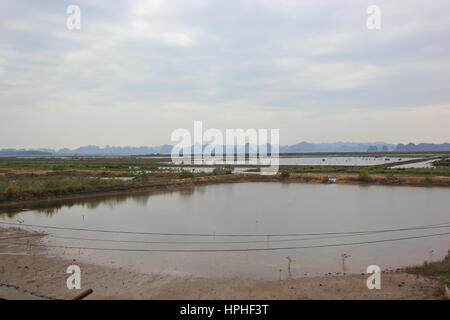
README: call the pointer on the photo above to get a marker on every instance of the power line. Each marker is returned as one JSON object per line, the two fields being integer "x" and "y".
{"x": 231, "y": 250}
{"x": 219, "y": 242}
{"x": 203, "y": 242}
{"x": 432, "y": 226}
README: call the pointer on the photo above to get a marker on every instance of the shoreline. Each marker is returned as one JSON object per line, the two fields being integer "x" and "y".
{"x": 26, "y": 271}
{"x": 48, "y": 197}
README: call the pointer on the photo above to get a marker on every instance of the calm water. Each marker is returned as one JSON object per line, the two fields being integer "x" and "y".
{"x": 257, "y": 209}
{"x": 306, "y": 161}
{"x": 423, "y": 164}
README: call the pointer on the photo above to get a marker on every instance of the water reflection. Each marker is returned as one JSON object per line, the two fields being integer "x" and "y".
{"x": 52, "y": 207}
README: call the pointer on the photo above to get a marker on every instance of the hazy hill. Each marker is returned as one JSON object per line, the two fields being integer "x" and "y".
{"x": 23, "y": 152}
{"x": 423, "y": 147}
{"x": 299, "y": 147}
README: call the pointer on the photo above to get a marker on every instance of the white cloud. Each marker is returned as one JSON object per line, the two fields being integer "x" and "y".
{"x": 148, "y": 67}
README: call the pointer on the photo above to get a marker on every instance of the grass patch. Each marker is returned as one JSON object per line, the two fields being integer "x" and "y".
{"x": 253, "y": 170}
{"x": 363, "y": 176}
{"x": 445, "y": 163}
{"x": 440, "y": 269}
{"x": 73, "y": 163}
{"x": 389, "y": 171}
{"x": 220, "y": 171}
{"x": 20, "y": 183}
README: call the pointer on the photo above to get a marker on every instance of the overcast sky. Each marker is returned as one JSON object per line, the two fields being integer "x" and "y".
{"x": 137, "y": 70}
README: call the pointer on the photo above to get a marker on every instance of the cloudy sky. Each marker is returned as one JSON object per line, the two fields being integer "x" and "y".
{"x": 137, "y": 70}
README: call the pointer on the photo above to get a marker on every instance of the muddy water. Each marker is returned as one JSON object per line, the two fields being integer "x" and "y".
{"x": 252, "y": 209}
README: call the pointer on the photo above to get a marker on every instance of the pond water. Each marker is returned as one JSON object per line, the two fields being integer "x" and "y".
{"x": 241, "y": 216}
{"x": 206, "y": 169}
{"x": 303, "y": 161}
{"x": 422, "y": 164}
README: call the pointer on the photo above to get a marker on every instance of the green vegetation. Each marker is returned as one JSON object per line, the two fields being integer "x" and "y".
{"x": 185, "y": 174}
{"x": 11, "y": 184}
{"x": 253, "y": 170}
{"x": 439, "y": 270}
{"x": 442, "y": 163}
{"x": 13, "y": 187}
{"x": 363, "y": 176}
{"x": 141, "y": 177}
{"x": 73, "y": 163}
{"x": 219, "y": 171}
{"x": 285, "y": 174}
{"x": 389, "y": 171}
{"x": 433, "y": 269}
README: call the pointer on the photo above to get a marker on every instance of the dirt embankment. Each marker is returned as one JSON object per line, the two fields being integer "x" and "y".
{"x": 25, "y": 270}
{"x": 383, "y": 179}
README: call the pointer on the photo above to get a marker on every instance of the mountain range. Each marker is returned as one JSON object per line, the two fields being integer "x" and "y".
{"x": 299, "y": 147}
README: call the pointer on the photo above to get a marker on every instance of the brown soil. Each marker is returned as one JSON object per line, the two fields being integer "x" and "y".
{"x": 25, "y": 271}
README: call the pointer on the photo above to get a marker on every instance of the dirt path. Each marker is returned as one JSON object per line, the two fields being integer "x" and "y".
{"x": 31, "y": 272}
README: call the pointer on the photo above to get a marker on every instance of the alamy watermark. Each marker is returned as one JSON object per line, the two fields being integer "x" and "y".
{"x": 73, "y": 21}
{"x": 373, "y": 21}
{"x": 374, "y": 280}
{"x": 74, "y": 280}
{"x": 235, "y": 146}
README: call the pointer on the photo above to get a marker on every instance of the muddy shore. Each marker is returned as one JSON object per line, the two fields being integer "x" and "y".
{"x": 28, "y": 273}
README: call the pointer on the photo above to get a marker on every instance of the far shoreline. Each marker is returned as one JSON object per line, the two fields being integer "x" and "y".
{"x": 48, "y": 197}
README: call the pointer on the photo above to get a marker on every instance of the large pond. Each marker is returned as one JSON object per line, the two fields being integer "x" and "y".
{"x": 241, "y": 216}
{"x": 301, "y": 161}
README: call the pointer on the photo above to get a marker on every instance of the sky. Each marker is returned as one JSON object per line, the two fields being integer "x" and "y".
{"x": 138, "y": 70}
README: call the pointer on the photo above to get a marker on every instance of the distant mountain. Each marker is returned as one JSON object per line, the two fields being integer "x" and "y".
{"x": 108, "y": 150}
{"x": 22, "y": 152}
{"x": 338, "y": 147}
{"x": 299, "y": 147}
{"x": 423, "y": 147}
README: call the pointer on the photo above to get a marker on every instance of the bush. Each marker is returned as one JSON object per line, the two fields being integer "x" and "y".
{"x": 432, "y": 269}
{"x": 442, "y": 163}
{"x": 51, "y": 185}
{"x": 9, "y": 194}
{"x": 285, "y": 174}
{"x": 363, "y": 176}
{"x": 142, "y": 177}
{"x": 218, "y": 171}
{"x": 391, "y": 177}
{"x": 185, "y": 174}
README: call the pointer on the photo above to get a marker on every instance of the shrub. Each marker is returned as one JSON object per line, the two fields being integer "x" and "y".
{"x": 185, "y": 174}
{"x": 445, "y": 162}
{"x": 363, "y": 176}
{"x": 432, "y": 269}
{"x": 51, "y": 185}
{"x": 9, "y": 194}
{"x": 221, "y": 171}
{"x": 391, "y": 177}
{"x": 142, "y": 177}
{"x": 285, "y": 174}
